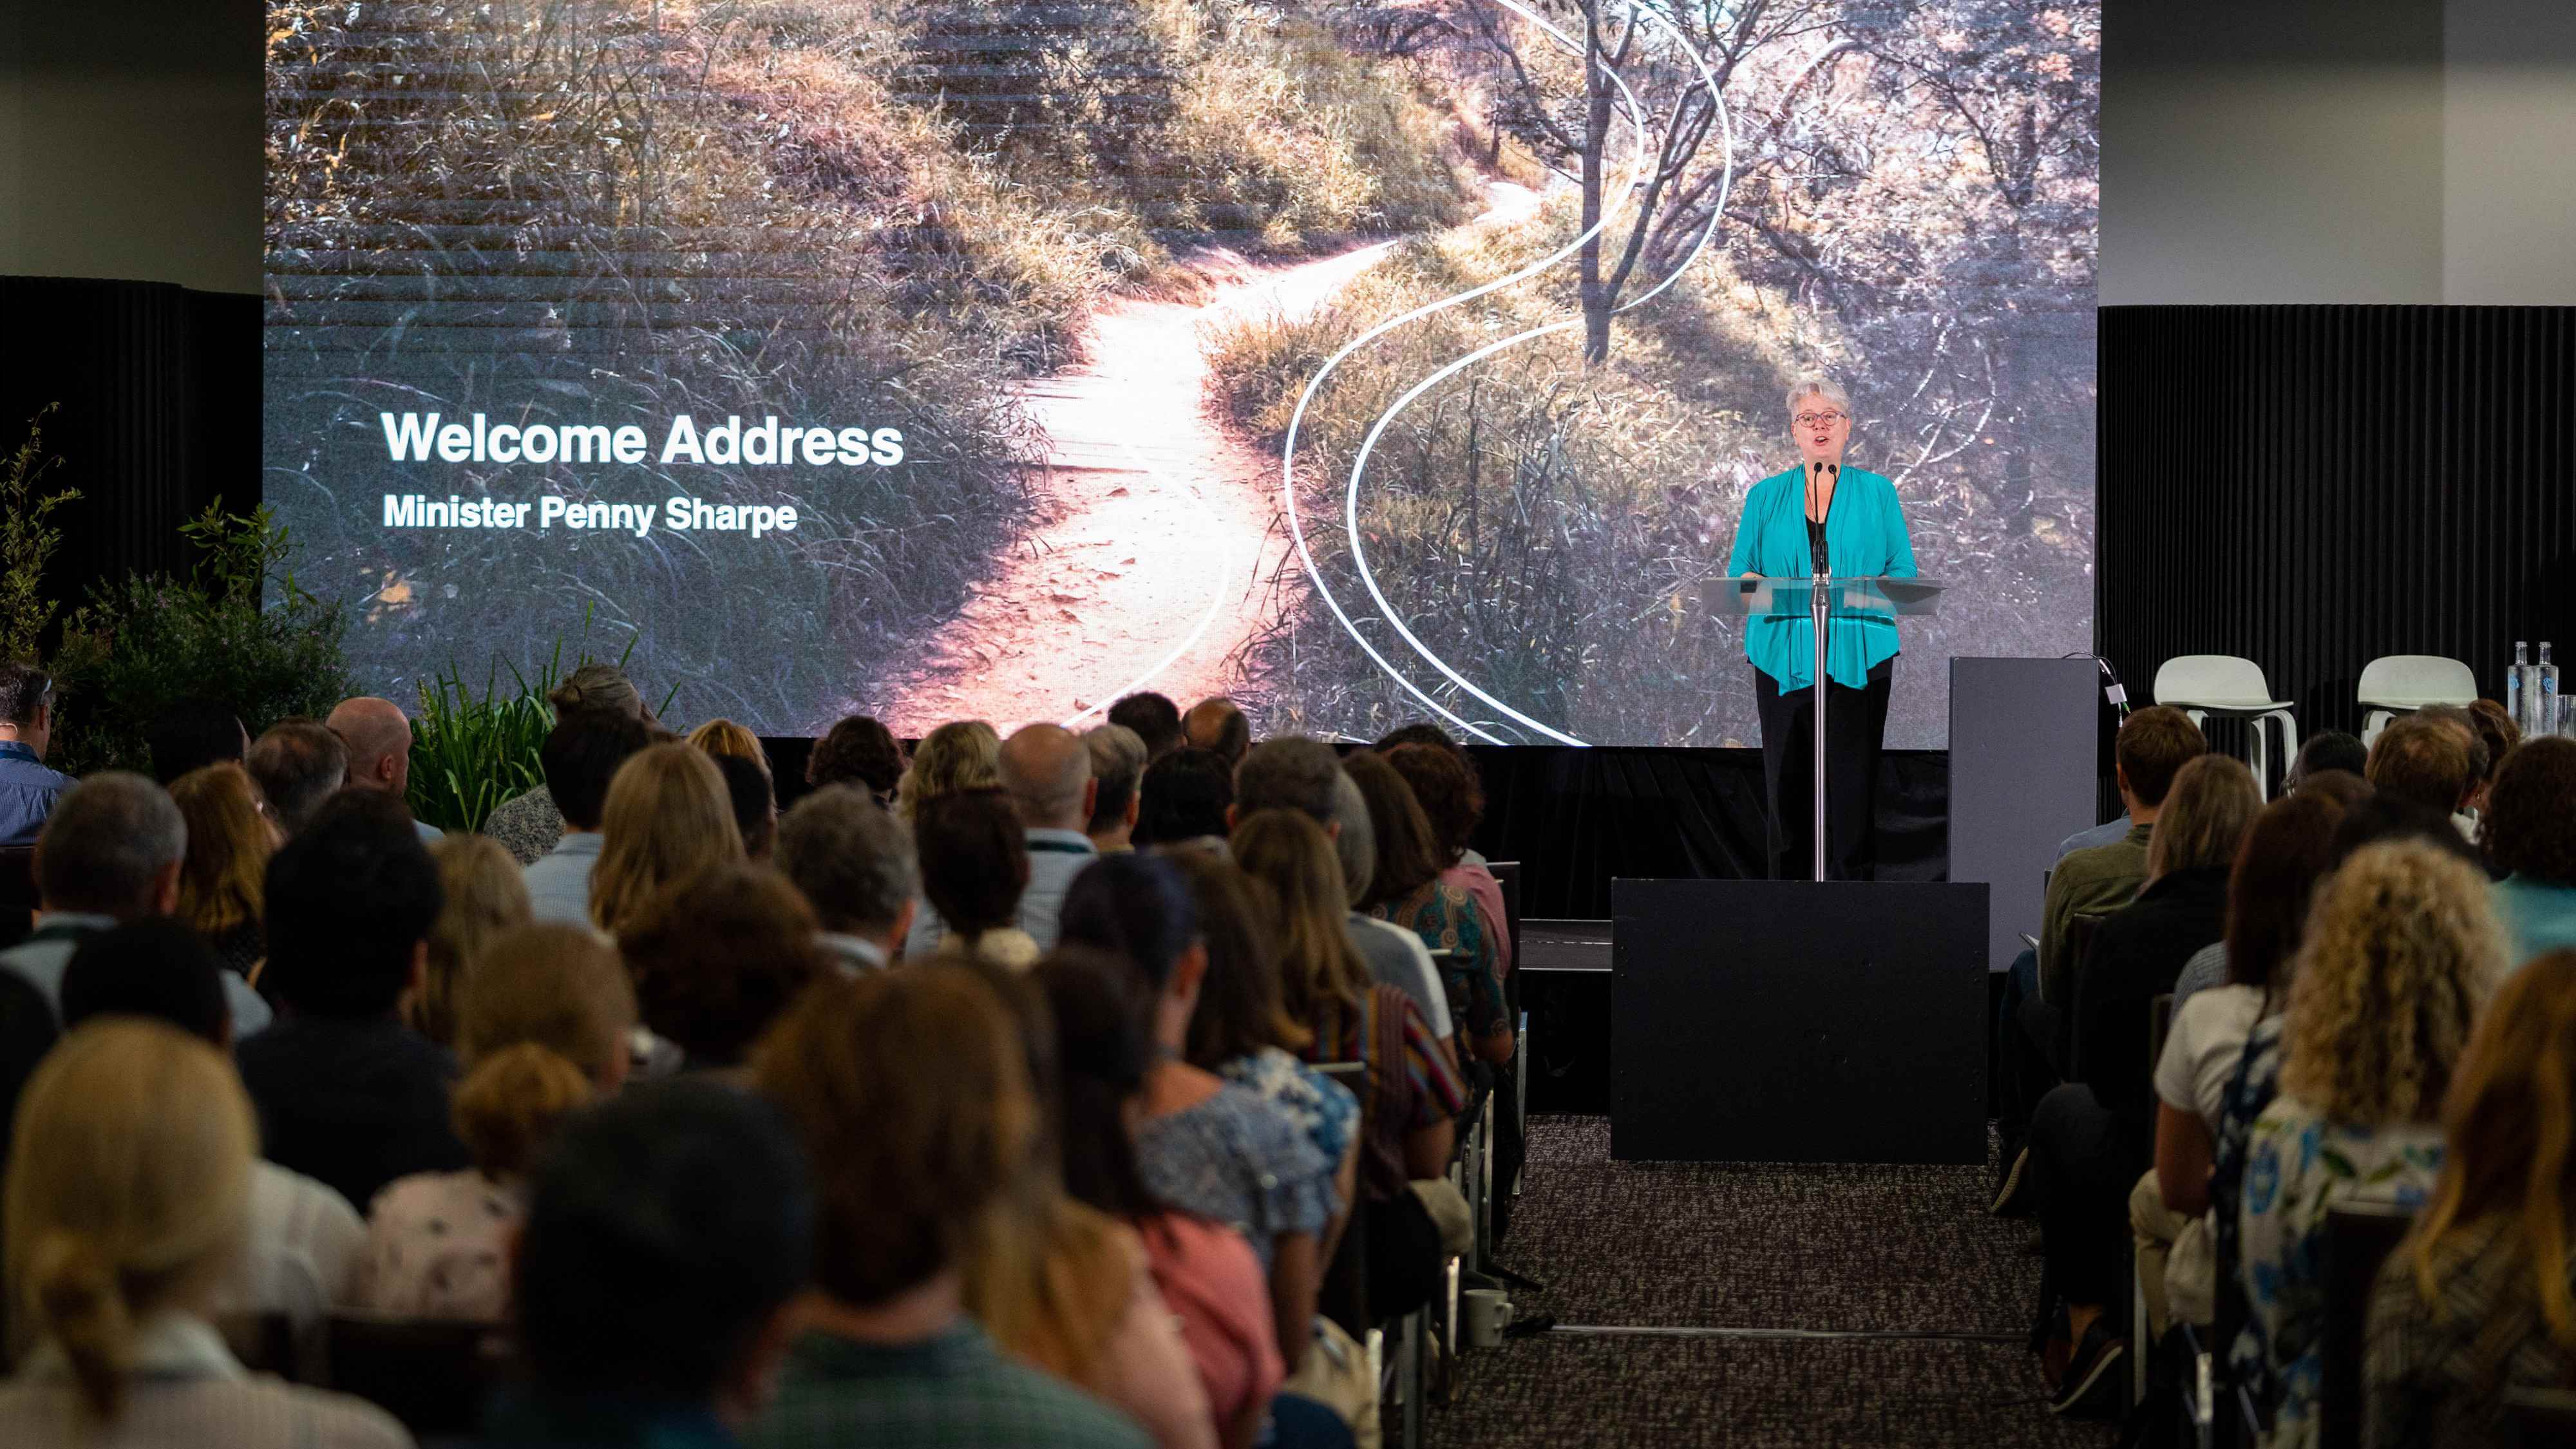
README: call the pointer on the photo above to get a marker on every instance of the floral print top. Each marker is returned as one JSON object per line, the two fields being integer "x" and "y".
{"x": 1323, "y": 1107}
{"x": 2297, "y": 1166}
{"x": 1446, "y": 918}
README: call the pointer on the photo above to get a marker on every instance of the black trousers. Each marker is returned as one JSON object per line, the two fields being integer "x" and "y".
{"x": 2081, "y": 1169}
{"x": 1855, "y": 722}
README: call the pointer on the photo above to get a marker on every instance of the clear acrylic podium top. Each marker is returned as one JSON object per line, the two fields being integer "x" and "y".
{"x": 1794, "y": 598}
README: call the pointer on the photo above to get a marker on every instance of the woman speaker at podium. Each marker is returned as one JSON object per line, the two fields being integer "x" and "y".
{"x": 1821, "y": 518}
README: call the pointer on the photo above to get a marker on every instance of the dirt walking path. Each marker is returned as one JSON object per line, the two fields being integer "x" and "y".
{"x": 1154, "y": 522}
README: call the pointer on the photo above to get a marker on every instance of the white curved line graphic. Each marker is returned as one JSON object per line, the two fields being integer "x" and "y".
{"x": 1359, "y": 465}
{"x": 1297, "y": 419}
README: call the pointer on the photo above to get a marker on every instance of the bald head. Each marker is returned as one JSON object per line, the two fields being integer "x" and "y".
{"x": 379, "y": 739}
{"x": 1216, "y": 724}
{"x": 1047, "y": 769}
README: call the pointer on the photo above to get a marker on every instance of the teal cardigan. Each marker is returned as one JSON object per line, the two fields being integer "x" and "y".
{"x": 1864, "y": 536}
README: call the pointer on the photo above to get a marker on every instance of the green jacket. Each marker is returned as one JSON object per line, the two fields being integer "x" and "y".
{"x": 2091, "y": 882}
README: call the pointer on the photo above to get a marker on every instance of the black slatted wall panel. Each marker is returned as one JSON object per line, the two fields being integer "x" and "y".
{"x": 2313, "y": 487}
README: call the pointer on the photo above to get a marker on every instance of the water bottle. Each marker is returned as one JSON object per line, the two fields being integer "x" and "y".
{"x": 2546, "y": 708}
{"x": 2513, "y": 700}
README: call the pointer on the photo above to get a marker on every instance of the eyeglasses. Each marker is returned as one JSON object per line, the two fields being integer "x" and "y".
{"x": 1809, "y": 420}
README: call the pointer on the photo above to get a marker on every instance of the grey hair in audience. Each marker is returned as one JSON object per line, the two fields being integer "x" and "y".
{"x": 1291, "y": 773}
{"x": 1118, "y": 758}
{"x": 107, "y": 844}
{"x": 852, "y": 859}
{"x": 298, "y": 763}
{"x": 1823, "y": 387}
{"x": 1356, "y": 841}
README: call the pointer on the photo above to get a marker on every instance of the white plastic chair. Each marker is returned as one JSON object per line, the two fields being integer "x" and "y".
{"x": 2201, "y": 685}
{"x": 2403, "y": 683}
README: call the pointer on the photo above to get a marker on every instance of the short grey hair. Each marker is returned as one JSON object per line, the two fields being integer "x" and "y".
{"x": 849, "y": 855}
{"x": 1356, "y": 843}
{"x": 1118, "y": 763}
{"x": 107, "y": 840}
{"x": 1289, "y": 773}
{"x": 1819, "y": 385}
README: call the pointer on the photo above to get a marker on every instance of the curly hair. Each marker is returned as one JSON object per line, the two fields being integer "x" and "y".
{"x": 859, "y": 750}
{"x": 963, "y": 754}
{"x": 2528, "y": 827}
{"x": 2401, "y": 950}
{"x": 1444, "y": 783}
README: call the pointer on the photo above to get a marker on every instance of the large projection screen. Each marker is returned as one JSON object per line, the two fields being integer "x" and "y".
{"x": 1368, "y": 363}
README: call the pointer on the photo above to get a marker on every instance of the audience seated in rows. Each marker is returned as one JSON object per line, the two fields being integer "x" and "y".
{"x": 910, "y": 1148}
{"x": 755, "y": 806}
{"x": 861, "y": 752}
{"x": 2477, "y": 1301}
{"x": 856, "y": 865}
{"x": 378, "y": 737}
{"x": 963, "y": 754}
{"x": 2325, "y": 752}
{"x": 2341, "y": 789}
{"x": 581, "y": 757}
{"x": 28, "y": 789}
{"x": 2529, "y": 831}
{"x": 667, "y": 817}
{"x": 482, "y": 894}
{"x": 1182, "y": 799}
{"x": 1118, "y": 759}
{"x": 2429, "y": 759}
{"x": 222, "y": 895}
{"x": 1444, "y": 784}
{"x": 974, "y": 869}
{"x": 191, "y": 734}
{"x": 1406, "y": 889}
{"x": 1218, "y": 724}
{"x": 346, "y": 1092}
{"x": 1154, "y": 718}
{"x": 1046, "y": 771}
{"x": 718, "y": 956}
{"x": 113, "y": 850}
{"x": 530, "y": 824}
{"x": 130, "y": 1188}
{"x": 299, "y": 763}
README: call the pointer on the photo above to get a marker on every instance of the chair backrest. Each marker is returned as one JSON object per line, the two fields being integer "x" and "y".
{"x": 1507, "y": 874}
{"x": 17, "y": 893}
{"x": 2545, "y": 1418}
{"x": 2210, "y": 679}
{"x": 2080, "y": 931}
{"x": 1349, "y": 1074}
{"x": 2417, "y": 679}
{"x": 432, "y": 1374}
{"x": 2359, "y": 1238}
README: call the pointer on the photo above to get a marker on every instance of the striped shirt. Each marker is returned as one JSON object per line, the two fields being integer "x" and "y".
{"x": 955, "y": 1391}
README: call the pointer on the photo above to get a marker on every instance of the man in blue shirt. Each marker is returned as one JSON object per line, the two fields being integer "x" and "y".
{"x": 27, "y": 789}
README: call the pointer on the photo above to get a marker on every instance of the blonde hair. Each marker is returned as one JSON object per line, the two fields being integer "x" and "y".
{"x": 2206, "y": 812}
{"x": 552, "y": 983}
{"x": 962, "y": 755}
{"x": 668, "y": 816}
{"x": 2401, "y": 950}
{"x": 485, "y": 895}
{"x": 128, "y": 1193}
{"x": 508, "y": 1107}
{"x": 1287, "y": 851}
{"x": 222, "y": 877}
{"x": 2509, "y": 1178}
{"x": 724, "y": 737}
{"x": 1049, "y": 1276}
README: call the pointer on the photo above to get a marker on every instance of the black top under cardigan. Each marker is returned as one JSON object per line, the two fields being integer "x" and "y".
{"x": 2136, "y": 955}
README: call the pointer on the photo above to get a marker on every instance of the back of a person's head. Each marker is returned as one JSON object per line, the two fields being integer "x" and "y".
{"x": 755, "y": 807}
{"x": 723, "y": 738}
{"x": 229, "y": 843}
{"x": 2509, "y": 1134}
{"x": 974, "y": 859}
{"x": 596, "y": 689}
{"x": 2153, "y": 746}
{"x": 109, "y": 846}
{"x": 1241, "y": 1009}
{"x": 485, "y": 894}
{"x": 2205, "y": 816}
{"x": 858, "y": 750}
{"x": 299, "y": 763}
{"x": 1420, "y": 732}
{"x": 1444, "y": 784}
{"x": 2464, "y": 723}
{"x": 2345, "y": 788}
{"x": 1408, "y": 857}
{"x": 1287, "y": 852}
{"x": 2284, "y": 853}
{"x": 192, "y": 734}
{"x": 581, "y": 756}
{"x": 351, "y": 900}
{"x": 558, "y": 985}
{"x": 963, "y": 754}
{"x": 1182, "y": 796}
{"x": 509, "y": 1105}
{"x": 2530, "y": 819}
{"x": 1137, "y": 907}
{"x": 1354, "y": 837}
{"x": 910, "y": 1091}
{"x": 665, "y": 1230}
{"x": 2497, "y": 732}
{"x": 1047, "y": 771}
{"x": 718, "y": 955}
{"x": 1290, "y": 773}
{"x": 23, "y": 688}
{"x": 668, "y": 817}
{"x": 158, "y": 970}
{"x": 1154, "y": 718}
{"x": 128, "y": 1191}
{"x": 1218, "y": 724}
{"x": 853, "y": 861}
{"x": 1118, "y": 759}
{"x": 2327, "y": 750}
{"x": 2401, "y": 950}
{"x": 2427, "y": 761}
{"x": 1102, "y": 1009}
{"x": 2380, "y": 816}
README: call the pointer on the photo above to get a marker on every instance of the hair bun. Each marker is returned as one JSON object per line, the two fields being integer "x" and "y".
{"x": 80, "y": 1305}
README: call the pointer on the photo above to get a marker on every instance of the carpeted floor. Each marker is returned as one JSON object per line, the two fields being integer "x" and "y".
{"x": 1872, "y": 1249}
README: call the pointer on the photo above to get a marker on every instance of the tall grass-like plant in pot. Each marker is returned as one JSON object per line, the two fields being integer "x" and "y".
{"x": 471, "y": 751}
{"x": 27, "y": 542}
